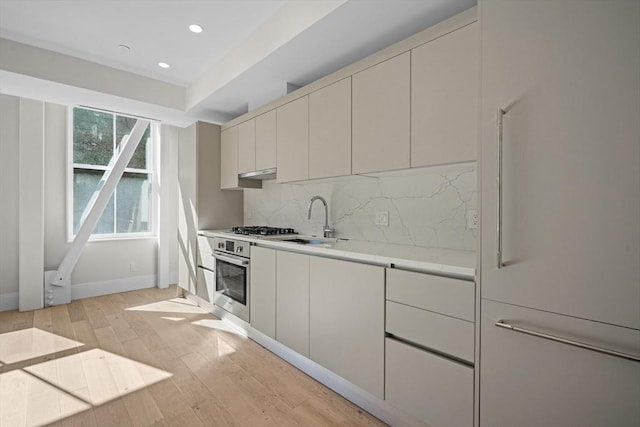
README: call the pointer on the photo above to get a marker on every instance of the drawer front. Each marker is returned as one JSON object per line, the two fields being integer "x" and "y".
{"x": 443, "y": 295}
{"x": 431, "y": 388}
{"x": 432, "y": 330}
{"x": 206, "y": 284}
{"x": 528, "y": 381}
{"x": 205, "y": 253}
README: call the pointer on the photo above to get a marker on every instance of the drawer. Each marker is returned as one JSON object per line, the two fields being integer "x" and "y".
{"x": 205, "y": 253}
{"x": 428, "y": 387}
{"x": 205, "y": 284}
{"x": 445, "y": 334}
{"x": 444, "y": 295}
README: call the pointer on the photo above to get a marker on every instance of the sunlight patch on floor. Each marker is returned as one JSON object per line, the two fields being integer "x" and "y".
{"x": 26, "y": 344}
{"x": 97, "y": 376}
{"x": 27, "y": 401}
{"x": 175, "y": 305}
{"x": 173, "y": 319}
{"x": 219, "y": 325}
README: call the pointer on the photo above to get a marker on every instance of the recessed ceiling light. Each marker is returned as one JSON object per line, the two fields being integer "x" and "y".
{"x": 163, "y": 65}
{"x": 124, "y": 47}
{"x": 195, "y": 28}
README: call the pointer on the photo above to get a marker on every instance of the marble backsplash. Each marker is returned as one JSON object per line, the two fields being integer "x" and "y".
{"x": 427, "y": 207}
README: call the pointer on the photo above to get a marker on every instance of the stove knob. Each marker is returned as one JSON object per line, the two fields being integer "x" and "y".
{"x": 239, "y": 249}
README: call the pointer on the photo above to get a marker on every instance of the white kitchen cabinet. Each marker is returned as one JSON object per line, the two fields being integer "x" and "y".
{"x": 201, "y": 203}
{"x": 247, "y": 146}
{"x": 432, "y": 389}
{"x": 263, "y": 290}
{"x": 292, "y": 301}
{"x": 265, "y": 152}
{"x": 347, "y": 321}
{"x": 293, "y": 141}
{"x": 443, "y": 295}
{"x": 229, "y": 152}
{"x": 570, "y": 156}
{"x": 444, "y": 99}
{"x": 206, "y": 284}
{"x": 330, "y": 130}
{"x": 531, "y": 381}
{"x": 381, "y": 116}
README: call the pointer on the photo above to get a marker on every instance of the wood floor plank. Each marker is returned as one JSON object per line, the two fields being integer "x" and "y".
{"x": 217, "y": 377}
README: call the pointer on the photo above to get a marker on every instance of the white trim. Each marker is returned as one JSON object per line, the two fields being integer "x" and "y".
{"x": 365, "y": 400}
{"x": 9, "y": 301}
{"x": 107, "y": 287}
{"x": 168, "y": 279}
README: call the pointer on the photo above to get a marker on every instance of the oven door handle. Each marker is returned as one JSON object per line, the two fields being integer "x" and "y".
{"x": 235, "y": 261}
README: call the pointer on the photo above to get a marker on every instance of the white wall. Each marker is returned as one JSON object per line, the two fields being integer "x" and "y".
{"x": 427, "y": 207}
{"x": 103, "y": 265}
{"x": 9, "y": 137}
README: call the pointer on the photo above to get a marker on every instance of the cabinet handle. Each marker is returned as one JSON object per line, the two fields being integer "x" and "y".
{"x": 502, "y": 324}
{"x": 499, "y": 262}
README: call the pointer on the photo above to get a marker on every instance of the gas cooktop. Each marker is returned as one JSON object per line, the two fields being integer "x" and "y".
{"x": 262, "y": 230}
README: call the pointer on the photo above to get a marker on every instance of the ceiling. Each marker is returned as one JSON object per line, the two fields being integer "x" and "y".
{"x": 248, "y": 52}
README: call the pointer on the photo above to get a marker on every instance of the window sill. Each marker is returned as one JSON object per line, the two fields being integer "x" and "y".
{"x": 115, "y": 237}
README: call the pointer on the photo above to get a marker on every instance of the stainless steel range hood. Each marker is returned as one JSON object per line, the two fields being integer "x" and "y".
{"x": 261, "y": 174}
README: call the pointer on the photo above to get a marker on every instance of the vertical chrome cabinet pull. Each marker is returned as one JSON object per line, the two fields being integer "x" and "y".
{"x": 499, "y": 262}
{"x": 503, "y": 324}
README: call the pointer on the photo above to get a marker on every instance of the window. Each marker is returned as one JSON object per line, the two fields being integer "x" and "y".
{"x": 95, "y": 137}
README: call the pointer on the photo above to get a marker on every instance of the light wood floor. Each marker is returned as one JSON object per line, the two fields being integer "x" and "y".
{"x": 191, "y": 374}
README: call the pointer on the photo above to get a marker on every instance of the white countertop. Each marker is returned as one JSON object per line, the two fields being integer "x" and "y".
{"x": 446, "y": 262}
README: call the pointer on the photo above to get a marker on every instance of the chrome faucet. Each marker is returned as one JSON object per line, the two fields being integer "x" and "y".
{"x": 326, "y": 230}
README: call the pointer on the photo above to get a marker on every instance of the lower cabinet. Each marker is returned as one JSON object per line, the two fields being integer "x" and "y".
{"x": 263, "y": 290}
{"x": 292, "y": 301}
{"x": 530, "y": 381}
{"x": 429, "y": 387}
{"x": 205, "y": 284}
{"x": 347, "y": 321}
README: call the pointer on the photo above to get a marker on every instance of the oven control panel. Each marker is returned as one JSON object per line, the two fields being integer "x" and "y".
{"x": 232, "y": 246}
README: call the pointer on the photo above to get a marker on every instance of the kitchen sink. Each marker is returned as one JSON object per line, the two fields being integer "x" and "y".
{"x": 323, "y": 242}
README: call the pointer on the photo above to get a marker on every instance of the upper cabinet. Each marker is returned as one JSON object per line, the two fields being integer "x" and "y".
{"x": 265, "y": 143}
{"x": 229, "y": 161}
{"x": 330, "y": 130}
{"x": 444, "y": 99}
{"x": 247, "y": 146}
{"x": 293, "y": 140}
{"x": 381, "y": 116}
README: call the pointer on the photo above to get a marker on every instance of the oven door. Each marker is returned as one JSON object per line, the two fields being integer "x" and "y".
{"x": 232, "y": 284}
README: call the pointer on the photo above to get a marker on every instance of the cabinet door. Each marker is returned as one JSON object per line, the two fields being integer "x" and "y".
{"x": 347, "y": 321}
{"x": 444, "y": 99}
{"x": 229, "y": 158}
{"x": 330, "y": 130}
{"x": 187, "y": 208}
{"x": 266, "y": 140}
{"x": 292, "y": 301}
{"x": 530, "y": 381}
{"x": 263, "y": 290}
{"x": 206, "y": 284}
{"x": 247, "y": 146}
{"x": 570, "y": 157}
{"x": 429, "y": 387}
{"x": 381, "y": 116}
{"x": 293, "y": 141}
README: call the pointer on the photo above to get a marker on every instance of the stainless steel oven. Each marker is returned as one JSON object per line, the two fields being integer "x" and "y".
{"x": 232, "y": 258}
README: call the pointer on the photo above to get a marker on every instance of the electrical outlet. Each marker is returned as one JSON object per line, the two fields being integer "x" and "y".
{"x": 472, "y": 219}
{"x": 382, "y": 218}
{"x": 132, "y": 267}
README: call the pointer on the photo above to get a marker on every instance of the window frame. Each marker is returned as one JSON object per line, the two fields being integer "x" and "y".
{"x": 153, "y": 171}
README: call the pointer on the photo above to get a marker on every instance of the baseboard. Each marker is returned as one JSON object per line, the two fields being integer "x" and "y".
{"x": 9, "y": 301}
{"x": 106, "y": 287}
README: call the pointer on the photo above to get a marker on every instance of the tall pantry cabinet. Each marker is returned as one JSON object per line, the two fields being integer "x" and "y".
{"x": 202, "y": 205}
{"x": 560, "y": 185}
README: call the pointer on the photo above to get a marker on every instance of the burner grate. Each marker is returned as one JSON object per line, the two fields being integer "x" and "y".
{"x": 262, "y": 230}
